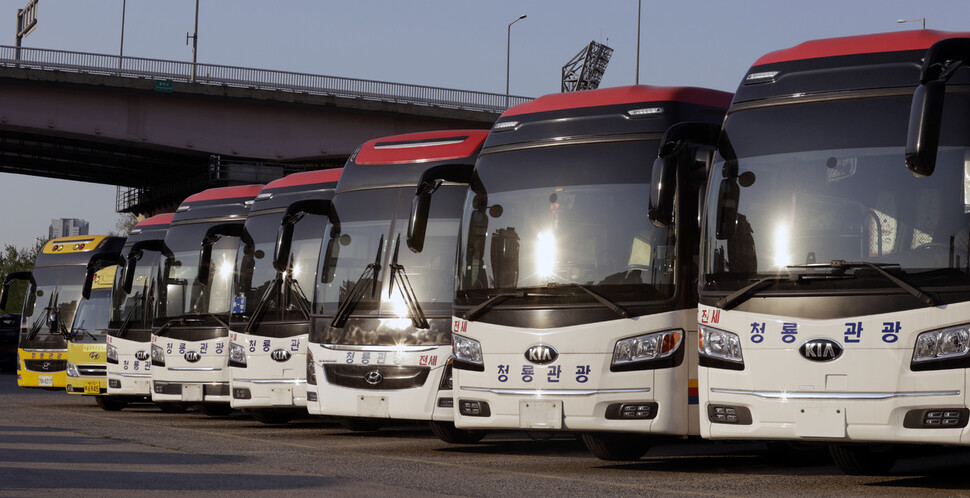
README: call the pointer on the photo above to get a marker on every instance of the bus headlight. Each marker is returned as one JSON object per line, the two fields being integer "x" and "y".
{"x": 72, "y": 370}
{"x": 719, "y": 348}
{"x": 637, "y": 353}
{"x": 158, "y": 355}
{"x": 111, "y": 354}
{"x": 942, "y": 348}
{"x": 467, "y": 353}
{"x": 237, "y": 355}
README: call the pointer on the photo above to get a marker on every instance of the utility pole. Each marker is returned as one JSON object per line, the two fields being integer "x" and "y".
{"x": 121, "y": 51}
{"x": 195, "y": 41}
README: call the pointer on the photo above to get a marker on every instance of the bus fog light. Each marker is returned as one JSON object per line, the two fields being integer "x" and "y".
{"x": 158, "y": 355}
{"x": 937, "y": 418}
{"x": 647, "y": 347}
{"x": 446, "y": 402}
{"x": 719, "y": 344}
{"x": 114, "y": 383}
{"x": 237, "y": 355}
{"x": 311, "y": 396}
{"x": 473, "y": 408}
{"x": 467, "y": 350}
{"x": 639, "y": 410}
{"x": 72, "y": 370}
{"x": 726, "y": 414}
{"x": 241, "y": 393}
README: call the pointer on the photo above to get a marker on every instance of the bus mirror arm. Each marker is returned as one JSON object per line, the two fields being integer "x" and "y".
{"x": 7, "y": 280}
{"x": 429, "y": 182}
{"x": 680, "y": 145}
{"x": 134, "y": 254}
{"x": 212, "y": 235}
{"x": 728, "y": 195}
{"x": 284, "y": 237}
{"x": 97, "y": 263}
{"x": 926, "y": 114}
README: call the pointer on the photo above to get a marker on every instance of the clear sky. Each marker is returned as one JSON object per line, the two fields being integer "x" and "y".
{"x": 446, "y": 43}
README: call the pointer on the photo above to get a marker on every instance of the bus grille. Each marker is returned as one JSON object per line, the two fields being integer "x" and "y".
{"x": 385, "y": 378}
{"x": 45, "y": 365}
{"x": 92, "y": 370}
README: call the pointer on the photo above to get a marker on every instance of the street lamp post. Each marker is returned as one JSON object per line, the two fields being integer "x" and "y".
{"x": 922, "y": 19}
{"x": 636, "y": 79}
{"x": 195, "y": 40}
{"x": 121, "y": 51}
{"x": 508, "y": 53}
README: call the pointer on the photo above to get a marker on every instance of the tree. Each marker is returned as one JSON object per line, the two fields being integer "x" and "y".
{"x": 123, "y": 226}
{"x": 13, "y": 259}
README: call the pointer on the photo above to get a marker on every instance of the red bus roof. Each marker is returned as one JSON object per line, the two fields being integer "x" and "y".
{"x": 212, "y": 194}
{"x": 421, "y": 147}
{"x": 306, "y": 178}
{"x": 898, "y": 41}
{"x": 158, "y": 219}
{"x": 623, "y": 95}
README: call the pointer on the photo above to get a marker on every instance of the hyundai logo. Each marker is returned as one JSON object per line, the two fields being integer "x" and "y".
{"x": 280, "y": 355}
{"x": 142, "y": 355}
{"x": 46, "y": 366}
{"x": 541, "y": 354}
{"x": 373, "y": 377}
{"x": 192, "y": 356}
{"x": 820, "y": 349}
{"x": 94, "y": 355}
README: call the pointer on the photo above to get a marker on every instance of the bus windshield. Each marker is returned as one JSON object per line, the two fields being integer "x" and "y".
{"x": 371, "y": 226}
{"x": 130, "y": 311}
{"x": 559, "y": 218}
{"x": 91, "y": 318}
{"x": 58, "y": 289}
{"x": 285, "y": 298}
{"x": 825, "y": 183}
{"x": 180, "y": 292}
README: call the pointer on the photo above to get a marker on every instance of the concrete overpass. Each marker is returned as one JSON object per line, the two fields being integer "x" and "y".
{"x": 161, "y": 130}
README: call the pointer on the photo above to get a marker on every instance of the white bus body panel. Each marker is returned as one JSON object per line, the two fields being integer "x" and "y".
{"x": 134, "y": 375}
{"x": 271, "y": 383}
{"x": 580, "y": 378}
{"x": 861, "y": 396}
{"x": 418, "y": 403}
{"x": 203, "y": 381}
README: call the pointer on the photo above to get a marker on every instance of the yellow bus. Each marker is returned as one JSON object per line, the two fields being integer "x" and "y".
{"x": 86, "y": 362}
{"x": 52, "y": 298}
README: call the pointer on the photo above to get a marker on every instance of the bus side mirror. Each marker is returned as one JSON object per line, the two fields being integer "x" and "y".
{"x": 211, "y": 237}
{"x": 663, "y": 186}
{"x": 429, "y": 182}
{"x": 728, "y": 195}
{"x": 128, "y": 272}
{"x": 284, "y": 237}
{"x": 98, "y": 263}
{"x": 7, "y": 280}
{"x": 923, "y": 136}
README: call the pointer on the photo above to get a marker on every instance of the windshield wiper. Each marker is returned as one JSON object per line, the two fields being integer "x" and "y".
{"x": 262, "y": 304}
{"x": 357, "y": 292}
{"x": 743, "y": 294}
{"x": 614, "y": 307}
{"x": 125, "y": 325}
{"x": 489, "y": 303}
{"x": 194, "y": 318}
{"x": 924, "y": 297}
{"x": 418, "y": 317}
{"x": 38, "y": 323}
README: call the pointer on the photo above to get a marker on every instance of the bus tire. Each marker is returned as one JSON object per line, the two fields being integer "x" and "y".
{"x": 216, "y": 409}
{"x": 173, "y": 407}
{"x": 273, "y": 417}
{"x": 360, "y": 424}
{"x": 616, "y": 447}
{"x": 863, "y": 460}
{"x": 110, "y": 404}
{"x": 447, "y": 432}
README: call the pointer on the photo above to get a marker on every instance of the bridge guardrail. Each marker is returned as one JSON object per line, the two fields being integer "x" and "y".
{"x": 262, "y": 79}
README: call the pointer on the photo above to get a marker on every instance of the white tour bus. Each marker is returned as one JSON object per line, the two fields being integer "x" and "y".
{"x": 275, "y": 275}
{"x": 834, "y": 281}
{"x": 572, "y": 306}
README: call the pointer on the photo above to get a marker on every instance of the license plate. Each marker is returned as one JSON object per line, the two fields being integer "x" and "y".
{"x": 92, "y": 387}
{"x": 540, "y": 414}
{"x": 45, "y": 380}
{"x": 192, "y": 392}
{"x": 815, "y": 421}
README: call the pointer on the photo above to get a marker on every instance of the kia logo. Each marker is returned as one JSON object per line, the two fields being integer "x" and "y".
{"x": 820, "y": 349}
{"x": 192, "y": 356}
{"x": 280, "y": 355}
{"x": 142, "y": 355}
{"x": 373, "y": 377}
{"x": 541, "y": 354}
